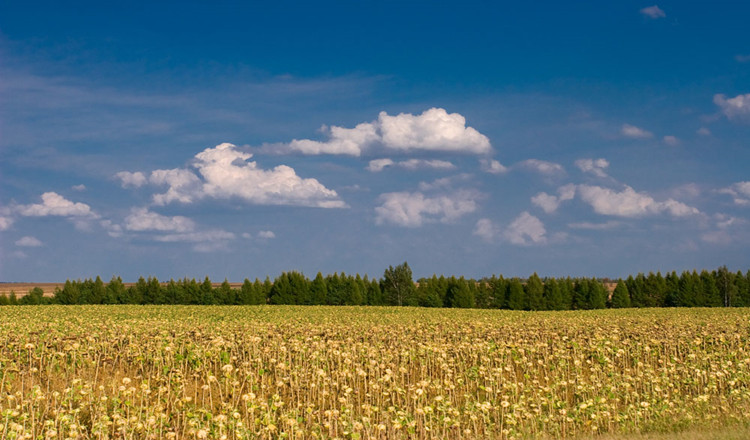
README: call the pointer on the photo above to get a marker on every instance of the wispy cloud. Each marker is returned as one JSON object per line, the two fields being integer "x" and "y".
{"x": 378, "y": 165}
{"x": 634, "y": 132}
{"x": 735, "y": 109}
{"x": 28, "y": 241}
{"x": 653, "y": 12}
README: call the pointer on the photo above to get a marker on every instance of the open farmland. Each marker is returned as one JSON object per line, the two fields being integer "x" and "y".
{"x": 368, "y": 372}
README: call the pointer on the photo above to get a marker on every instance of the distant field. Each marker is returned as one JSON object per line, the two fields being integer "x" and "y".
{"x": 22, "y": 289}
{"x": 372, "y": 372}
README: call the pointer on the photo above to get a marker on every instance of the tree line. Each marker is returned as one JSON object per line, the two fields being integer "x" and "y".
{"x": 719, "y": 288}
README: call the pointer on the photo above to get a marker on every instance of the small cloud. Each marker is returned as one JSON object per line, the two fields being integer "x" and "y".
{"x": 671, "y": 141}
{"x": 54, "y": 204}
{"x": 703, "y": 131}
{"x": 486, "y": 230}
{"x": 593, "y": 166}
{"x": 550, "y": 203}
{"x": 542, "y": 167}
{"x": 525, "y": 230}
{"x": 5, "y": 223}
{"x": 653, "y": 12}
{"x": 742, "y": 58}
{"x": 492, "y": 166}
{"x": 79, "y": 188}
{"x": 131, "y": 180}
{"x": 203, "y": 241}
{"x": 433, "y": 130}
{"x": 739, "y": 191}
{"x": 266, "y": 234}
{"x": 595, "y": 226}
{"x": 629, "y": 203}
{"x": 247, "y": 235}
{"x": 378, "y": 165}
{"x": 735, "y": 109}
{"x": 28, "y": 241}
{"x": 141, "y": 219}
{"x": 634, "y": 132}
{"x": 414, "y": 209}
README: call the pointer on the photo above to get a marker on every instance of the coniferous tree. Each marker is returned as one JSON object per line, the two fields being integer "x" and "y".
{"x": 725, "y": 283}
{"x": 534, "y": 291}
{"x": 4, "y": 300}
{"x": 673, "y": 290}
{"x": 581, "y": 294}
{"x": 374, "y": 294}
{"x": 597, "y": 294}
{"x": 620, "y": 297}
{"x": 711, "y": 294}
{"x": 553, "y": 299}
{"x": 318, "y": 290}
{"x": 515, "y": 295}
{"x": 742, "y": 286}
{"x": 13, "y": 299}
{"x": 35, "y": 297}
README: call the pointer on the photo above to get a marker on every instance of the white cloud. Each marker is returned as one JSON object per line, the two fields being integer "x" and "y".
{"x": 703, "y": 131}
{"x": 525, "y": 230}
{"x": 266, "y": 234}
{"x": 550, "y": 203}
{"x": 131, "y": 180}
{"x": 735, "y": 109}
{"x": 595, "y": 226}
{"x": 492, "y": 166}
{"x": 485, "y": 229}
{"x": 654, "y": 12}
{"x": 593, "y": 166}
{"x": 141, "y": 219}
{"x": 223, "y": 172}
{"x": 634, "y": 132}
{"x": 434, "y": 130}
{"x": 415, "y": 209}
{"x": 739, "y": 191}
{"x": 5, "y": 223}
{"x": 378, "y": 165}
{"x": 341, "y": 140}
{"x": 80, "y": 187}
{"x": 56, "y": 205}
{"x": 203, "y": 241}
{"x": 629, "y": 203}
{"x": 728, "y": 230}
{"x": 672, "y": 141}
{"x": 542, "y": 167}
{"x": 247, "y": 235}
{"x": 28, "y": 241}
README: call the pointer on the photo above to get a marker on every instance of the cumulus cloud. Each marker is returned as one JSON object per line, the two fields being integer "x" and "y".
{"x": 378, "y": 165}
{"x": 634, "y": 132}
{"x": 5, "y": 223}
{"x": 53, "y": 204}
{"x": 266, "y": 234}
{"x": 525, "y": 230}
{"x": 80, "y": 187}
{"x": 703, "y": 131}
{"x": 727, "y": 230}
{"x": 486, "y": 229}
{"x": 542, "y": 167}
{"x": 735, "y": 109}
{"x": 593, "y": 166}
{"x": 224, "y": 172}
{"x": 672, "y": 141}
{"x": 739, "y": 191}
{"x": 595, "y": 226}
{"x": 629, "y": 203}
{"x": 131, "y": 180}
{"x": 413, "y": 209}
{"x": 28, "y": 241}
{"x": 653, "y": 12}
{"x": 141, "y": 219}
{"x": 492, "y": 166}
{"x": 434, "y": 130}
{"x": 203, "y": 241}
{"x": 549, "y": 203}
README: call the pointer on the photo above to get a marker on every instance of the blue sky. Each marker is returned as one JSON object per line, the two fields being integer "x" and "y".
{"x": 238, "y": 140}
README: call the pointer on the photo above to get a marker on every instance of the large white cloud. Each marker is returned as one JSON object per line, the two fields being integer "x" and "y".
{"x": 224, "y": 172}
{"x": 53, "y": 204}
{"x": 629, "y": 203}
{"x": 378, "y": 165}
{"x": 735, "y": 109}
{"x": 434, "y": 130}
{"x": 415, "y": 208}
{"x": 141, "y": 219}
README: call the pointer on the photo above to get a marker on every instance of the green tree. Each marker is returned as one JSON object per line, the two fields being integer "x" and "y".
{"x": 318, "y": 290}
{"x": 13, "y": 299}
{"x": 534, "y": 291}
{"x": 725, "y": 284}
{"x": 515, "y": 295}
{"x": 553, "y": 299}
{"x": 4, "y": 300}
{"x": 35, "y": 297}
{"x": 398, "y": 285}
{"x": 620, "y": 297}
